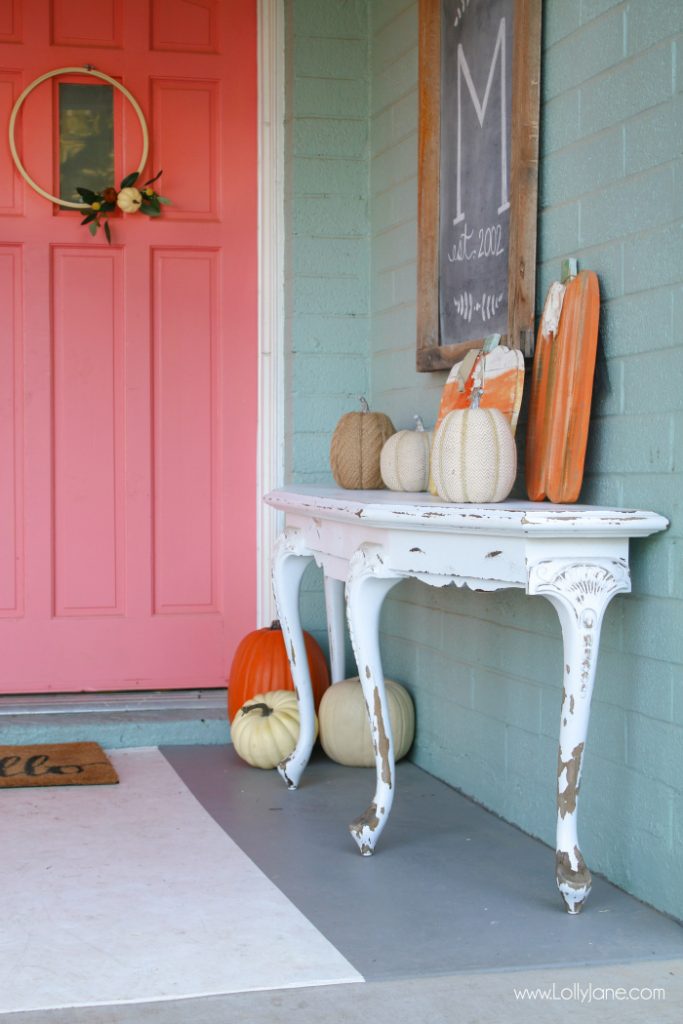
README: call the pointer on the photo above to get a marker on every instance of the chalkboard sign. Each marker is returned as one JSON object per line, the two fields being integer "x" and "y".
{"x": 479, "y": 89}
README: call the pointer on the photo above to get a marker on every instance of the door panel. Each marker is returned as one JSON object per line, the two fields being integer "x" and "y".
{"x": 187, "y": 25}
{"x": 10, "y": 186}
{"x": 88, "y": 466}
{"x": 186, "y": 450}
{"x": 195, "y": 151}
{"x": 128, "y": 372}
{"x": 11, "y": 417}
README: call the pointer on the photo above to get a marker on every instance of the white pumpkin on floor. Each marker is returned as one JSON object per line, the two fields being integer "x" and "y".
{"x": 265, "y": 730}
{"x": 345, "y": 727}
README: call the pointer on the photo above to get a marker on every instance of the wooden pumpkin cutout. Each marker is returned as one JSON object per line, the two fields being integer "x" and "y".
{"x": 561, "y": 388}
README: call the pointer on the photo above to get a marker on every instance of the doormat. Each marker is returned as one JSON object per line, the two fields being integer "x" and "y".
{"x": 55, "y": 764}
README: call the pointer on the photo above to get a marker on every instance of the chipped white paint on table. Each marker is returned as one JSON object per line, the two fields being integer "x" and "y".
{"x": 576, "y": 556}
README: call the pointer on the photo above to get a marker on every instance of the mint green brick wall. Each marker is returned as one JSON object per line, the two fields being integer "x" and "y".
{"x": 396, "y": 388}
{"x": 327, "y": 254}
{"x": 485, "y": 670}
{"x": 328, "y": 248}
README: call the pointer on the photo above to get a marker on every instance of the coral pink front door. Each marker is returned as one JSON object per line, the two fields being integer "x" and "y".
{"x": 128, "y": 371}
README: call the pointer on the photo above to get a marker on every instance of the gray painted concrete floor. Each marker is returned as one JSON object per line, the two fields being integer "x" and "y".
{"x": 460, "y": 999}
{"x": 451, "y": 887}
{"x": 455, "y": 912}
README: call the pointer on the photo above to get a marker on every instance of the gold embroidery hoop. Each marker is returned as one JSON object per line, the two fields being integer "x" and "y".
{"x": 87, "y": 70}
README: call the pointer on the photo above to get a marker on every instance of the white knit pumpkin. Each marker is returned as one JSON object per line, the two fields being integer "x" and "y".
{"x": 404, "y": 462}
{"x": 265, "y": 730}
{"x": 474, "y": 458}
{"x": 345, "y": 727}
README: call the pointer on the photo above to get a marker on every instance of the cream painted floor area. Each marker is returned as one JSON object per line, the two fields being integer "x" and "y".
{"x": 133, "y": 893}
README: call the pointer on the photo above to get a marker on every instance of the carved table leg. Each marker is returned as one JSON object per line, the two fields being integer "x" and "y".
{"x": 290, "y": 559}
{"x": 334, "y": 607}
{"x": 366, "y": 589}
{"x": 580, "y": 593}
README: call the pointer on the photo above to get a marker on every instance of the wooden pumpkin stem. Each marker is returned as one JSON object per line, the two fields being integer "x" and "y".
{"x": 264, "y": 708}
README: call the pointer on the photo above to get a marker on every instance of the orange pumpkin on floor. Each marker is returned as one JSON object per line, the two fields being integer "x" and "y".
{"x": 260, "y": 665}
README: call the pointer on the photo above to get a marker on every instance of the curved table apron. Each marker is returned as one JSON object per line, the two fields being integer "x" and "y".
{"x": 368, "y": 541}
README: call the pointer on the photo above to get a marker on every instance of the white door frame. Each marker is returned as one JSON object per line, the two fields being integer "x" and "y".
{"x": 271, "y": 247}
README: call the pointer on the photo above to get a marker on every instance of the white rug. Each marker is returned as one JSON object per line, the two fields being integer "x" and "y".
{"x": 119, "y": 894}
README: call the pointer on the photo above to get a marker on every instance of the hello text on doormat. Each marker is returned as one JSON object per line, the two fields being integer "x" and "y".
{"x": 55, "y": 764}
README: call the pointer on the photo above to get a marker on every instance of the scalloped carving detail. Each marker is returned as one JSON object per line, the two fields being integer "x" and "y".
{"x": 586, "y": 586}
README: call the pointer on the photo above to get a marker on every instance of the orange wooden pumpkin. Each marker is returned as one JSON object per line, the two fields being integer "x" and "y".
{"x": 260, "y": 665}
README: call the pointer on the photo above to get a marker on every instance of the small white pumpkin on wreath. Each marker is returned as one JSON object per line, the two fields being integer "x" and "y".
{"x": 129, "y": 199}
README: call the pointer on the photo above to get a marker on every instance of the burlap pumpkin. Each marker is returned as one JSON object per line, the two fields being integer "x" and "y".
{"x": 356, "y": 448}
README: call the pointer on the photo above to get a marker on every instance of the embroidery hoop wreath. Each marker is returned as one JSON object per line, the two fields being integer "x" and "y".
{"x": 99, "y": 205}
{"x": 86, "y": 70}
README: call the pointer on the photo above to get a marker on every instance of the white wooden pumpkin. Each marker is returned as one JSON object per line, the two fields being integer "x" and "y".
{"x": 404, "y": 462}
{"x": 265, "y": 730}
{"x": 345, "y": 728}
{"x": 474, "y": 457}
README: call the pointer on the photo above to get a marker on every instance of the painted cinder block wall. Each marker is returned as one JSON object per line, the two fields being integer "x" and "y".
{"x": 485, "y": 671}
{"x": 327, "y": 256}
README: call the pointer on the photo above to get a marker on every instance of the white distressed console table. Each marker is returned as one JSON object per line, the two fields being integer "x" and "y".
{"x": 576, "y": 556}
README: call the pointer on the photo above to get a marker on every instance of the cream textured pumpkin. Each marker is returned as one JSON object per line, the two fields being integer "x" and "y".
{"x": 129, "y": 200}
{"x": 345, "y": 727}
{"x": 265, "y": 730}
{"x": 474, "y": 458}
{"x": 356, "y": 448}
{"x": 404, "y": 462}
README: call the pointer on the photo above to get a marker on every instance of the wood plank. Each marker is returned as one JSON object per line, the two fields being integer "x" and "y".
{"x": 562, "y": 383}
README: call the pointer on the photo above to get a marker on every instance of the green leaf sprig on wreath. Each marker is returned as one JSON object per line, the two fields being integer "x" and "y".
{"x": 127, "y": 198}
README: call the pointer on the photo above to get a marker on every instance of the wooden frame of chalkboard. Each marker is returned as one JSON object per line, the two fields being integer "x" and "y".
{"x": 477, "y": 277}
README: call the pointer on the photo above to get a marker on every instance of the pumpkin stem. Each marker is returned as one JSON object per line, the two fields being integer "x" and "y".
{"x": 476, "y": 397}
{"x": 419, "y": 425}
{"x": 264, "y": 708}
{"x": 275, "y": 624}
{"x": 364, "y": 403}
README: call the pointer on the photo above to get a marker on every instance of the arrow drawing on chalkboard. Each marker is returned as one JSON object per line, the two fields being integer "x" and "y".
{"x": 462, "y": 7}
{"x": 490, "y": 304}
{"x": 466, "y": 307}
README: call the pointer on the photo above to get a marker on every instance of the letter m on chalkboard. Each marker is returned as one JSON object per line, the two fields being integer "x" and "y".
{"x": 480, "y": 106}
